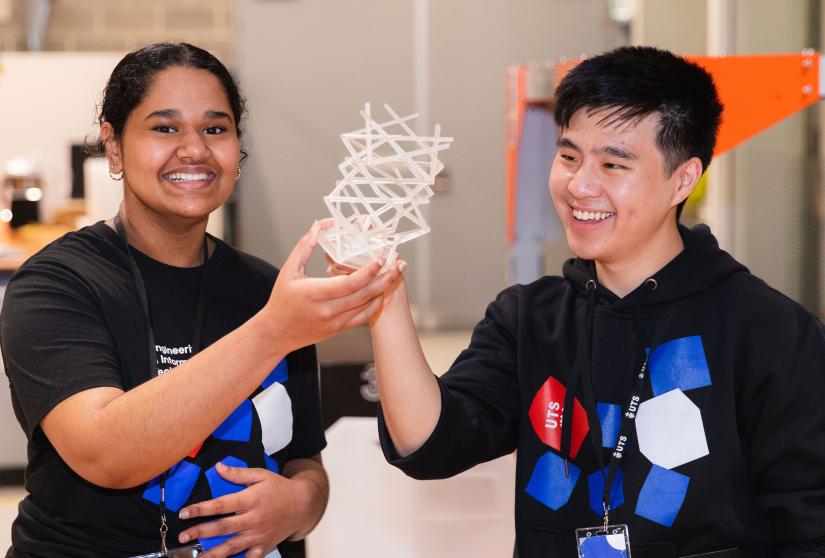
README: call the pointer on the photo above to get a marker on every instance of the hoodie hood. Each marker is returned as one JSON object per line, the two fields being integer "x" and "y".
{"x": 694, "y": 270}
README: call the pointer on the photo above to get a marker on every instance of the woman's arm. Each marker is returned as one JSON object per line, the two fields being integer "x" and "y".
{"x": 271, "y": 509}
{"x": 119, "y": 439}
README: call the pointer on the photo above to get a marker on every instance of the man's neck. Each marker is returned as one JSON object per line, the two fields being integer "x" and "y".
{"x": 623, "y": 276}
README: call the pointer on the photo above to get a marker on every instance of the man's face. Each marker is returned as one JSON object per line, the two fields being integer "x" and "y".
{"x": 609, "y": 187}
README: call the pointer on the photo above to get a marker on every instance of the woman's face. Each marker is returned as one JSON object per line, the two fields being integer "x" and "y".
{"x": 179, "y": 150}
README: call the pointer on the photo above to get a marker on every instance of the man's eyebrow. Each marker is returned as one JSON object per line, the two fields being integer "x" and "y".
{"x": 618, "y": 152}
{"x": 564, "y": 142}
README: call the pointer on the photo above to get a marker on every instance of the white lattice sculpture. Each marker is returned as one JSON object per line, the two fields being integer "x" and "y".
{"x": 386, "y": 178}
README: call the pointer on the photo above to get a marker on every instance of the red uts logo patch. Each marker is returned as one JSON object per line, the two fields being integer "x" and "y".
{"x": 546, "y": 413}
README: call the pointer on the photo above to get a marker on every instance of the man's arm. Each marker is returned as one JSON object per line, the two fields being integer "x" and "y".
{"x": 784, "y": 420}
{"x": 437, "y": 427}
{"x": 410, "y": 396}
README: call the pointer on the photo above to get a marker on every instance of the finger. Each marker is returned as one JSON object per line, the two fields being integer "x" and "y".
{"x": 336, "y": 269}
{"x": 295, "y": 264}
{"x": 229, "y": 503}
{"x": 243, "y": 475}
{"x": 331, "y": 261}
{"x": 342, "y": 285}
{"x": 364, "y": 295}
{"x": 326, "y": 224}
{"x": 231, "y": 547}
{"x": 255, "y": 552}
{"x": 362, "y": 315}
{"x": 228, "y": 525}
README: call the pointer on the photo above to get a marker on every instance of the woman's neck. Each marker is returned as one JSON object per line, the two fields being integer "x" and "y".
{"x": 177, "y": 243}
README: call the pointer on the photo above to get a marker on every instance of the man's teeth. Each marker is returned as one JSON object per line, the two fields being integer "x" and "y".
{"x": 184, "y": 177}
{"x": 591, "y": 215}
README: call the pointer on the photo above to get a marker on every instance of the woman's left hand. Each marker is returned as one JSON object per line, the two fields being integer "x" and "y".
{"x": 269, "y": 510}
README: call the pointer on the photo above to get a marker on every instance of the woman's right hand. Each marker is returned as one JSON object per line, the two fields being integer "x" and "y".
{"x": 304, "y": 310}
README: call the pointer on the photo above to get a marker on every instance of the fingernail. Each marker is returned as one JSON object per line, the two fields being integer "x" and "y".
{"x": 184, "y": 514}
{"x": 402, "y": 266}
{"x": 381, "y": 262}
{"x": 183, "y": 538}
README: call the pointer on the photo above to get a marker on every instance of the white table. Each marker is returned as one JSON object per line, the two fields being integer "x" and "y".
{"x": 377, "y": 511}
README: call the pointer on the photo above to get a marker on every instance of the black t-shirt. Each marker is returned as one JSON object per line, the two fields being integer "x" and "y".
{"x": 72, "y": 320}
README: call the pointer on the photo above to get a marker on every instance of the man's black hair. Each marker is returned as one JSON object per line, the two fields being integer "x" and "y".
{"x": 630, "y": 83}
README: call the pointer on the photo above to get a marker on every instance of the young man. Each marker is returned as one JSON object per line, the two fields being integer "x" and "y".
{"x": 657, "y": 366}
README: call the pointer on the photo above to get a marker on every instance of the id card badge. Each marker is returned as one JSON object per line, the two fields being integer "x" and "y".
{"x": 601, "y": 542}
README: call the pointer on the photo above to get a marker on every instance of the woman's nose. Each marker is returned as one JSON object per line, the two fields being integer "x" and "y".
{"x": 192, "y": 148}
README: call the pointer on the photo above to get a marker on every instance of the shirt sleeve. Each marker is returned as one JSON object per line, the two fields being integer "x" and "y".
{"x": 785, "y": 422}
{"x": 54, "y": 340}
{"x": 307, "y": 431}
{"x": 479, "y": 402}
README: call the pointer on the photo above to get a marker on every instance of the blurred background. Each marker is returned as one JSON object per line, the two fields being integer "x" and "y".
{"x": 307, "y": 67}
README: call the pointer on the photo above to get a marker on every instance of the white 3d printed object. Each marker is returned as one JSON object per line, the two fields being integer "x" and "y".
{"x": 386, "y": 178}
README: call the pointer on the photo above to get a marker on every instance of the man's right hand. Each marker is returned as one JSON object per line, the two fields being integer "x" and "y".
{"x": 305, "y": 310}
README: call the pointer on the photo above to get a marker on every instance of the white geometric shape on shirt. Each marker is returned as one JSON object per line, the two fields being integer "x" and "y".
{"x": 386, "y": 178}
{"x": 274, "y": 408}
{"x": 670, "y": 430}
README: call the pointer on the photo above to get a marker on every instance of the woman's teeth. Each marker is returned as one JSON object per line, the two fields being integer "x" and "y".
{"x": 184, "y": 177}
{"x": 592, "y": 215}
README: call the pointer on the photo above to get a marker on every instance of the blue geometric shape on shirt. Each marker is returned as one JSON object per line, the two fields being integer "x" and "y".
{"x": 179, "y": 484}
{"x": 598, "y": 547}
{"x": 662, "y": 495}
{"x": 279, "y": 374}
{"x": 610, "y": 417}
{"x": 548, "y": 484}
{"x": 596, "y": 485}
{"x": 218, "y": 485}
{"x": 271, "y": 464}
{"x": 208, "y": 543}
{"x": 679, "y": 364}
{"x": 238, "y": 426}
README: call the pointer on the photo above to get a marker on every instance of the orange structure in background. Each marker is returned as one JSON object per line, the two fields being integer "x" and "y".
{"x": 757, "y": 91}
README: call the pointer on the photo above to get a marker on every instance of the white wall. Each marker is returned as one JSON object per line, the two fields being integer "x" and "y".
{"x": 47, "y": 102}
{"x": 307, "y": 67}
{"x": 762, "y": 209}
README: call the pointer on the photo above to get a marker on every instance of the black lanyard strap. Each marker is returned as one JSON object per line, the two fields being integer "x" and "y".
{"x": 197, "y": 339}
{"x": 629, "y": 414}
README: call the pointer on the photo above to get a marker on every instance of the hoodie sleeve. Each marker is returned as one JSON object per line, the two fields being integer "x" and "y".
{"x": 479, "y": 402}
{"x": 785, "y": 423}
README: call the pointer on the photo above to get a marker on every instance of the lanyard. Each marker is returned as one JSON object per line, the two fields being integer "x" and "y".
{"x": 628, "y": 416}
{"x": 200, "y": 318}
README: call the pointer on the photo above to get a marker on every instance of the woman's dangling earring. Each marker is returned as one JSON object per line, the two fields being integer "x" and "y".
{"x": 115, "y": 176}
{"x": 239, "y": 174}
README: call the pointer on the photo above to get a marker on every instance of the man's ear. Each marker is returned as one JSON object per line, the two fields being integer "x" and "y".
{"x": 111, "y": 147}
{"x": 686, "y": 178}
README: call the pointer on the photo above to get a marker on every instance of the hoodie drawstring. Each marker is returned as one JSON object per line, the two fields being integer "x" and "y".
{"x": 581, "y": 371}
{"x": 584, "y": 330}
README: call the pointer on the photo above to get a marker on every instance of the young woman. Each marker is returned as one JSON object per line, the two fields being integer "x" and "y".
{"x": 161, "y": 378}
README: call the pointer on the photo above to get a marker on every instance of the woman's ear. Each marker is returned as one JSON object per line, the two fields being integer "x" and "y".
{"x": 111, "y": 147}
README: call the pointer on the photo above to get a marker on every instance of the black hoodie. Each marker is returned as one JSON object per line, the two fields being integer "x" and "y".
{"x": 727, "y": 450}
